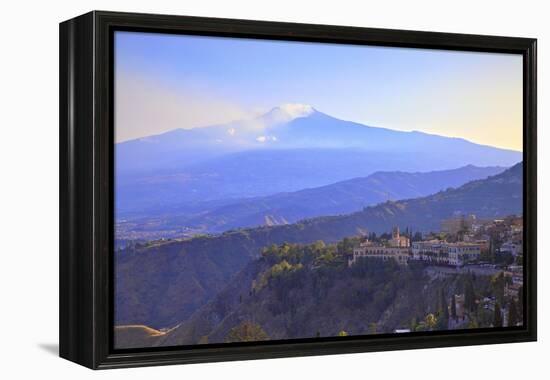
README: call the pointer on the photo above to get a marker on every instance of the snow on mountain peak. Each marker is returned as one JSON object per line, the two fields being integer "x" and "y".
{"x": 295, "y": 110}
{"x": 289, "y": 111}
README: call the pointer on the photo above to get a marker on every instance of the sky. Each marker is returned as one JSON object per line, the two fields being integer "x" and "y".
{"x": 163, "y": 82}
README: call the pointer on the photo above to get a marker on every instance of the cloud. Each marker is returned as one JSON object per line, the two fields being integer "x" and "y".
{"x": 263, "y": 139}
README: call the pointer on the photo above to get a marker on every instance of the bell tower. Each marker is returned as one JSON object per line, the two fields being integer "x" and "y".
{"x": 395, "y": 232}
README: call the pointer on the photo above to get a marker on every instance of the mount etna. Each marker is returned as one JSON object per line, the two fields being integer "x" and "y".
{"x": 290, "y": 148}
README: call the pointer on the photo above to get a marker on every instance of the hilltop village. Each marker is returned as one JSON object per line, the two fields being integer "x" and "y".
{"x": 462, "y": 241}
{"x": 465, "y": 245}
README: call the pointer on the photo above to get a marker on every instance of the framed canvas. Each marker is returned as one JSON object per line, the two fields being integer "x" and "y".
{"x": 235, "y": 189}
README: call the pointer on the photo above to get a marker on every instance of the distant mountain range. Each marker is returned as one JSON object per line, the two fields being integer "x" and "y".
{"x": 290, "y": 148}
{"x": 339, "y": 198}
{"x": 161, "y": 284}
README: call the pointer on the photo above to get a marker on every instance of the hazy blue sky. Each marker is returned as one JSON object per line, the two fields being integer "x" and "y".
{"x": 164, "y": 82}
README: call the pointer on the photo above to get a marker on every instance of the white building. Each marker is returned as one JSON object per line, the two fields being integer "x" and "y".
{"x": 441, "y": 252}
{"x": 513, "y": 247}
{"x": 398, "y": 249}
{"x": 399, "y": 254}
{"x": 436, "y": 252}
{"x": 430, "y": 250}
{"x": 459, "y": 254}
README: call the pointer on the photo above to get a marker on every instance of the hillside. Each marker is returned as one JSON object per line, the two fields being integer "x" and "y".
{"x": 340, "y": 198}
{"x": 297, "y": 291}
{"x": 162, "y": 284}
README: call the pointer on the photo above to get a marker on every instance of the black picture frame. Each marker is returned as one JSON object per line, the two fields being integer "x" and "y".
{"x": 86, "y": 187}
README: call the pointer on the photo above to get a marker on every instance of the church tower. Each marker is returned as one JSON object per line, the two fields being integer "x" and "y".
{"x": 397, "y": 240}
{"x": 395, "y": 232}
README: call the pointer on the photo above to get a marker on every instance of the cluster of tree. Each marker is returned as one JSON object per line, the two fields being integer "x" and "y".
{"x": 380, "y": 282}
{"x": 316, "y": 255}
{"x": 246, "y": 332}
{"x": 281, "y": 269}
{"x": 308, "y": 290}
{"x": 492, "y": 313}
{"x": 301, "y": 278}
{"x": 439, "y": 319}
{"x": 493, "y": 254}
{"x": 513, "y": 313}
{"x": 484, "y": 304}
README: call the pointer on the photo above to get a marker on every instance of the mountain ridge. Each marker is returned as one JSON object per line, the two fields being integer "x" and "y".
{"x": 286, "y": 113}
{"x": 338, "y": 198}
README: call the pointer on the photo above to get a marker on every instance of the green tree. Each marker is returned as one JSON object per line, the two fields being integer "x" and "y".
{"x": 345, "y": 247}
{"x": 463, "y": 229}
{"x": 469, "y": 295}
{"x": 431, "y": 321}
{"x": 413, "y": 324}
{"x": 444, "y": 306}
{"x": 489, "y": 254}
{"x": 319, "y": 245}
{"x": 373, "y": 328}
{"x": 497, "y": 319}
{"x": 442, "y": 323}
{"x": 498, "y": 282}
{"x": 512, "y": 314}
{"x": 246, "y": 332}
{"x": 453, "y": 307}
{"x": 519, "y": 260}
{"x": 520, "y": 299}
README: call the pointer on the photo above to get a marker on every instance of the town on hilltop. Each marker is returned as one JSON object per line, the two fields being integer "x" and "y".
{"x": 462, "y": 241}
{"x": 469, "y": 245}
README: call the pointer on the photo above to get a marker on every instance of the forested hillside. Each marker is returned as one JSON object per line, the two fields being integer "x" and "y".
{"x": 161, "y": 284}
{"x": 308, "y": 291}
